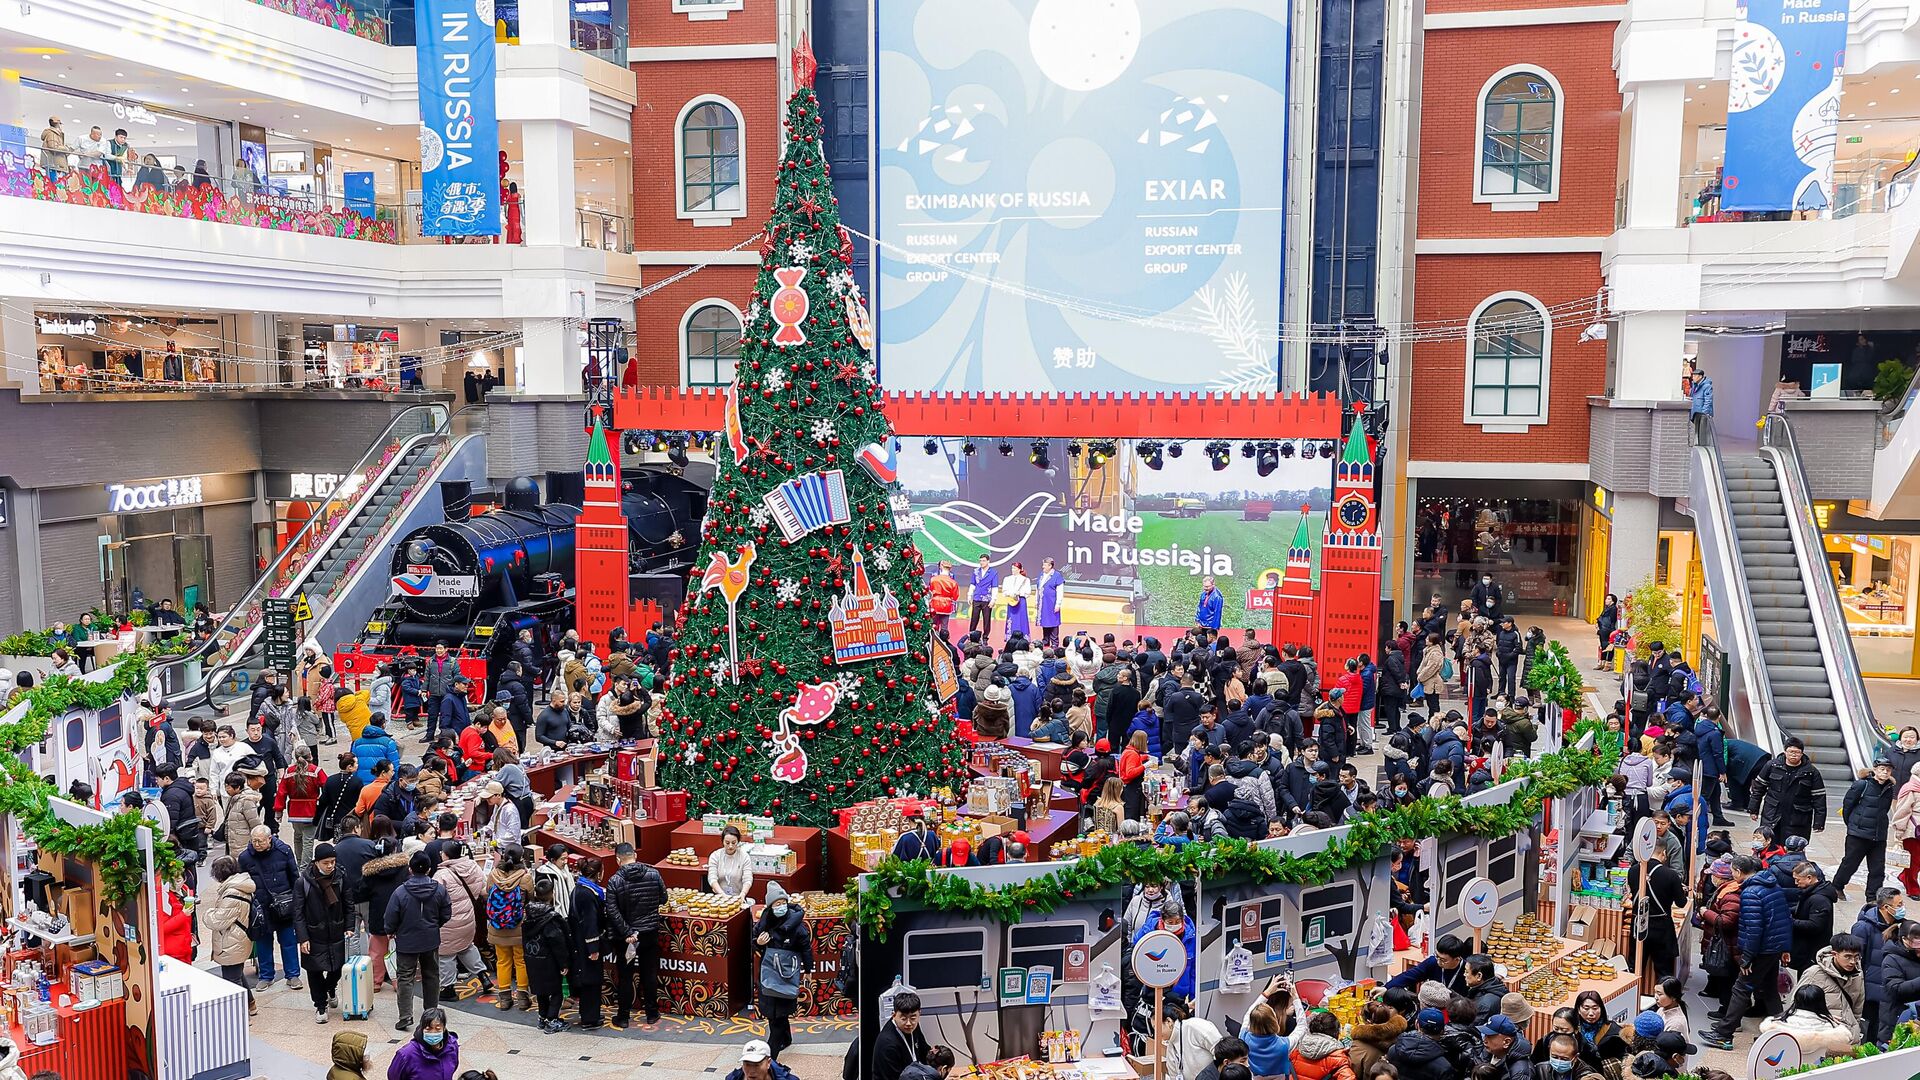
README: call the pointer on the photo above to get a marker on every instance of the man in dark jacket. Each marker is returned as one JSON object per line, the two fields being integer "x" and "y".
{"x": 550, "y": 730}
{"x": 270, "y": 863}
{"x": 321, "y": 923}
{"x": 523, "y": 654}
{"x": 1180, "y": 714}
{"x": 183, "y": 821}
{"x": 586, "y": 921}
{"x": 262, "y": 690}
{"x": 1447, "y": 964}
{"x": 1866, "y": 808}
{"x": 1296, "y": 673}
{"x": 1710, "y": 744}
{"x": 1812, "y": 913}
{"x": 1327, "y": 796}
{"x": 1766, "y": 932}
{"x": 1296, "y": 782}
{"x": 400, "y": 798}
{"x": 436, "y": 676}
{"x": 900, "y": 1042}
{"x": 1900, "y": 975}
{"x": 1484, "y": 987}
{"x": 454, "y": 716}
{"x": 1507, "y": 648}
{"x": 1502, "y": 1046}
{"x": 1791, "y": 794}
{"x": 1876, "y": 926}
{"x": 634, "y": 899}
{"x": 1418, "y": 1054}
{"x": 415, "y": 913}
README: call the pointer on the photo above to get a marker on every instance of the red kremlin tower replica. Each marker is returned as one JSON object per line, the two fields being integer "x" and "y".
{"x": 1340, "y": 619}
{"x": 600, "y": 542}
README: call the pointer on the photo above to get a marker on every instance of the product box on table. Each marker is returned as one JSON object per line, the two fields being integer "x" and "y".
{"x": 664, "y": 805}
{"x": 772, "y": 858}
{"x": 751, "y": 828}
{"x": 78, "y": 906}
{"x": 868, "y": 850}
{"x": 97, "y": 979}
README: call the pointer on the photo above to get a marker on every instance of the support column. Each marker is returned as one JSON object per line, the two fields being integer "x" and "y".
{"x": 544, "y": 363}
{"x": 1653, "y": 181}
{"x": 18, "y": 341}
{"x": 1648, "y": 354}
{"x": 1635, "y": 546}
{"x": 547, "y": 192}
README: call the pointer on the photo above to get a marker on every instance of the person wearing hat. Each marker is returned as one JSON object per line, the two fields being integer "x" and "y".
{"x": 1417, "y": 1053}
{"x": 504, "y": 824}
{"x": 1876, "y": 928}
{"x": 454, "y": 717}
{"x": 1791, "y": 794}
{"x": 757, "y": 1063}
{"x": 1503, "y": 1047}
{"x": 780, "y": 930}
{"x": 1647, "y": 1026}
{"x": 1327, "y": 796}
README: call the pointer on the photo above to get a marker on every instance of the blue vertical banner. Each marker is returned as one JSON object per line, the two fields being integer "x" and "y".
{"x": 359, "y": 190}
{"x": 459, "y": 132}
{"x": 1783, "y": 105}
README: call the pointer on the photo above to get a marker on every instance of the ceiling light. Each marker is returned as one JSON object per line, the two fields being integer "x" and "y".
{"x": 189, "y": 104}
{"x": 63, "y": 74}
{"x": 183, "y": 90}
{"x": 378, "y": 128}
{"x": 296, "y": 116}
{"x": 303, "y": 131}
{"x": 243, "y": 104}
{"x": 1151, "y": 454}
{"x": 1689, "y": 100}
{"x": 1037, "y": 454}
{"x": 1267, "y": 459}
{"x": 386, "y": 148}
{"x": 119, "y": 74}
{"x": 1702, "y": 86}
{"x": 1218, "y": 454}
{"x": 1006, "y": 448}
{"x": 246, "y": 118}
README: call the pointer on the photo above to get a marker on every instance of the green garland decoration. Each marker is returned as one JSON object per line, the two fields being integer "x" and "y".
{"x": 112, "y": 846}
{"x": 1370, "y": 834}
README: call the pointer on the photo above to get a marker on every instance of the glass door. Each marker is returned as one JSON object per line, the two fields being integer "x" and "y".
{"x": 193, "y": 570}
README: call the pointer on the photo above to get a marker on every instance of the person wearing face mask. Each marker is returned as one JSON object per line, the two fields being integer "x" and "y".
{"x": 432, "y": 1054}
{"x": 1563, "y": 1061}
{"x": 401, "y": 796}
{"x": 1879, "y": 921}
{"x": 1146, "y": 900}
{"x": 782, "y": 939}
{"x": 1486, "y": 598}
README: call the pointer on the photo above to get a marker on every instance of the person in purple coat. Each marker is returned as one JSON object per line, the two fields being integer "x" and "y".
{"x": 1052, "y": 588}
{"x": 432, "y": 1054}
{"x": 986, "y": 580}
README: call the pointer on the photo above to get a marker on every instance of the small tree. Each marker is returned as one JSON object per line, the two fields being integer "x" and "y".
{"x": 1654, "y": 616}
{"x": 1554, "y": 677}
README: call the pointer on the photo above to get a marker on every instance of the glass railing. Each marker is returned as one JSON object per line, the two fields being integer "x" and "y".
{"x": 604, "y": 231}
{"x": 1860, "y": 186}
{"x": 599, "y": 28}
{"x": 79, "y": 180}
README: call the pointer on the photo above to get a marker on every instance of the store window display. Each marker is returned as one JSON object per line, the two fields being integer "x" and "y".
{"x": 1528, "y": 546}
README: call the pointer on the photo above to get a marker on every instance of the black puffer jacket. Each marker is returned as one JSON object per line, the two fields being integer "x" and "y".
{"x": 1866, "y": 808}
{"x": 1420, "y": 1056}
{"x": 320, "y": 923}
{"x": 634, "y": 899}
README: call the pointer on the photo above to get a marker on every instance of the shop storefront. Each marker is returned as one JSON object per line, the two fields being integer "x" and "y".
{"x": 1873, "y": 563}
{"x": 294, "y": 498}
{"x": 184, "y": 538}
{"x": 90, "y": 352}
{"x": 1527, "y": 539}
{"x": 350, "y": 355}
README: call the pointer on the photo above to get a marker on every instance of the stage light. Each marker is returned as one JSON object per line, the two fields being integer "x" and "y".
{"x": 1246, "y": 449}
{"x": 931, "y": 447}
{"x": 967, "y": 448}
{"x": 659, "y": 442}
{"x": 1286, "y": 449}
{"x": 1175, "y": 449}
{"x": 631, "y": 443}
{"x": 1150, "y": 454}
{"x": 1073, "y": 449}
{"x": 1219, "y": 453}
{"x": 1006, "y": 448}
{"x": 1038, "y": 455}
{"x": 1267, "y": 459}
{"x": 1328, "y": 449}
{"x": 677, "y": 450}
{"x": 1101, "y": 452}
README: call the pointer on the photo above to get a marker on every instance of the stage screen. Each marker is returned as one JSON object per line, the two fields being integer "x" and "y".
{"x": 1134, "y": 543}
{"x": 1080, "y": 195}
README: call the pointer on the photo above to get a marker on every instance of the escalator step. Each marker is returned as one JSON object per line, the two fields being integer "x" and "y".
{"x": 1755, "y": 546}
{"x": 1804, "y": 706}
{"x": 1781, "y": 571}
{"x": 1778, "y": 533}
{"x": 1778, "y": 601}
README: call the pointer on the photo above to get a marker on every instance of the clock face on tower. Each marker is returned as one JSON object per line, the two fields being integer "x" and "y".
{"x": 1353, "y": 512}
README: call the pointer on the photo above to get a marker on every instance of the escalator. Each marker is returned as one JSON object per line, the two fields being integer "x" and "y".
{"x": 318, "y": 562}
{"x": 1775, "y": 605}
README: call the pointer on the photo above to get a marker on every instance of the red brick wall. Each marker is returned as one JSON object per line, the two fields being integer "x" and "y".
{"x": 1458, "y": 64}
{"x": 657, "y": 315}
{"x": 664, "y": 88}
{"x": 1446, "y": 289}
{"x": 654, "y": 23}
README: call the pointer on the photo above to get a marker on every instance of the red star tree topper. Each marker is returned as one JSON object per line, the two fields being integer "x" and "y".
{"x": 737, "y": 735}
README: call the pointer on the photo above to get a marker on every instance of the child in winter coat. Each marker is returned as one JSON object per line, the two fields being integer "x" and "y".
{"x": 544, "y": 939}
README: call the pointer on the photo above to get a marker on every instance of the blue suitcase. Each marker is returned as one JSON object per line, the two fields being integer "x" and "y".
{"x": 356, "y": 981}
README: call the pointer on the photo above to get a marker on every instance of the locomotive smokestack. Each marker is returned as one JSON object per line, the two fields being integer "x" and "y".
{"x": 567, "y": 487}
{"x": 521, "y": 494}
{"x": 456, "y": 498}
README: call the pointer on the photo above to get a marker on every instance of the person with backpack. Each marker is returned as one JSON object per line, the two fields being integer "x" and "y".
{"x": 785, "y": 947}
{"x": 508, "y": 887}
{"x": 548, "y": 949}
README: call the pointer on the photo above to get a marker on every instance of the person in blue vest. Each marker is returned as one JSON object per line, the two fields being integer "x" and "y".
{"x": 1207, "y": 612}
{"x": 1052, "y": 588}
{"x": 986, "y": 581}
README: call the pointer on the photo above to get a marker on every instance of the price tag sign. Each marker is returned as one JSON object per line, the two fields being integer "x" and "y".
{"x": 1479, "y": 902}
{"x": 1159, "y": 959}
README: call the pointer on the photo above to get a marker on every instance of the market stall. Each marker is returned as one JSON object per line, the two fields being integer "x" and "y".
{"x": 706, "y": 967}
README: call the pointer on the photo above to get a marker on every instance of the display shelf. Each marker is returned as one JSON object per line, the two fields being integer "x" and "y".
{"x": 25, "y": 927}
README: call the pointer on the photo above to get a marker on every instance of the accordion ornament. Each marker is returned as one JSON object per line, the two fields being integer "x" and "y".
{"x": 809, "y": 502}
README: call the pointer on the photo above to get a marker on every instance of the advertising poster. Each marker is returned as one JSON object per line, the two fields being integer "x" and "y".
{"x": 1134, "y": 543}
{"x": 459, "y": 131}
{"x": 1783, "y": 104}
{"x": 1080, "y": 195}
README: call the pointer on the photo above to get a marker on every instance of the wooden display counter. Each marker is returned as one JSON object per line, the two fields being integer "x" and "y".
{"x": 92, "y": 1043}
{"x": 550, "y": 776}
{"x": 541, "y": 838}
{"x": 1058, "y": 824}
{"x": 691, "y": 834}
{"x": 1049, "y": 755}
{"x": 818, "y": 994}
{"x": 706, "y": 964}
{"x": 1619, "y": 994}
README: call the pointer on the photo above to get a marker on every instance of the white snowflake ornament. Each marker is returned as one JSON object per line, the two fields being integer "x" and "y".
{"x": 883, "y": 560}
{"x": 842, "y": 282}
{"x": 788, "y": 590}
{"x": 849, "y": 685}
{"x": 822, "y": 430}
{"x": 760, "y": 516}
{"x": 775, "y": 379}
{"x": 719, "y": 669}
{"x": 801, "y": 251}
{"x": 692, "y": 754}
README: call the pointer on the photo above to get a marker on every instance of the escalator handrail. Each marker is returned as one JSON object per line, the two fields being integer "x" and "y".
{"x": 1776, "y": 434}
{"x": 275, "y": 568}
{"x": 1758, "y": 690}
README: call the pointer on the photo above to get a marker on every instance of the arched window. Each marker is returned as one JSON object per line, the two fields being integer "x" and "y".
{"x": 710, "y": 343}
{"x": 1520, "y": 111}
{"x": 709, "y": 142}
{"x": 1507, "y": 363}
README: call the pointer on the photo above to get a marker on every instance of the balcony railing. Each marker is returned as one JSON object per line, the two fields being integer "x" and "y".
{"x": 369, "y": 19}
{"x": 1862, "y": 186}
{"x": 77, "y": 182}
{"x": 604, "y": 231}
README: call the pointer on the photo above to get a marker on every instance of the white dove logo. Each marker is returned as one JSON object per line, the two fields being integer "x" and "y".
{"x": 976, "y": 523}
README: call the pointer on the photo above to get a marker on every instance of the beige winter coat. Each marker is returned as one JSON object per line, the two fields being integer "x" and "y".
{"x": 226, "y": 918}
{"x": 243, "y": 813}
{"x": 1428, "y": 675}
{"x": 521, "y": 878}
{"x": 466, "y": 885}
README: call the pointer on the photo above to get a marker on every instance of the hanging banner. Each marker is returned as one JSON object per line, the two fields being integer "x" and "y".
{"x": 459, "y": 135}
{"x": 1783, "y": 105}
{"x": 359, "y": 189}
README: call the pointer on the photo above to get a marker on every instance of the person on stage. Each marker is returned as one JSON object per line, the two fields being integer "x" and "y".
{"x": 1017, "y": 587}
{"x": 943, "y": 593}
{"x": 986, "y": 582}
{"x": 1052, "y": 588}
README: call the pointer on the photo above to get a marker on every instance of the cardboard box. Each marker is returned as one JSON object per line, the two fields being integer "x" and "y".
{"x": 78, "y": 906}
{"x": 996, "y": 825}
{"x": 98, "y": 980}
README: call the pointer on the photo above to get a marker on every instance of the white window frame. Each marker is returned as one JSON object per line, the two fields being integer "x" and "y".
{"x": 686, "y": 320}
{"x": 986, "y": 959}
{"x": 1086, "y": 938}
{"x": 708, "y": 12}
{"x": 707, "y": 217}
{"x": 1506, "y": 424}
{"x": 1521, "y": 201}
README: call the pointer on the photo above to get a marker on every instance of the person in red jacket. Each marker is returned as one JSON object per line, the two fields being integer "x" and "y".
{"x": 298, "y": 801}
{"x": 176, "y": 923}
{"x": 1353, "y": 685}
{"x": 942, "y": 594}
{"x": 473, "y": 748}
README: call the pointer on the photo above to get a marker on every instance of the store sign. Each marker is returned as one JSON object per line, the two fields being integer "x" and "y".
{"x": 159, "y": 495}
{"x": 134, "y": 114}
{"x": 71, "y": 327}
{"x": 459, "y": 131}
{"x": 421, "y": 581}
{"x": 322, "y": 485}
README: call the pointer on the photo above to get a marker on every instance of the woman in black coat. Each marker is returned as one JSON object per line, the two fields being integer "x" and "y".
{"x": 588, "y": 972}
{"x": 783, "y": 925}
{"x": 548, "y": 950}
{"x": 322, "y": 918}
{"x": 1606, "y": 624}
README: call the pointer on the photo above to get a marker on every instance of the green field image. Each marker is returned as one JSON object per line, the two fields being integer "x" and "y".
{"x": 1253, "y": 546}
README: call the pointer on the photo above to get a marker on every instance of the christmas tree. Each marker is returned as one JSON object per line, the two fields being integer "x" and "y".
{"x": 801, "y": 683}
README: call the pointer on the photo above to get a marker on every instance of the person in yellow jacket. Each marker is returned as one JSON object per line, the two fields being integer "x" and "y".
{"x": 354, "y": 712}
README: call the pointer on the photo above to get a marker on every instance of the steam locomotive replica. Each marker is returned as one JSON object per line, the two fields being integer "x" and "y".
{"x": 499, "y": 564}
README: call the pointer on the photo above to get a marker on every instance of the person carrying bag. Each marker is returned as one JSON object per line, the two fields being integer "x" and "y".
{"x": 786, "y": 955}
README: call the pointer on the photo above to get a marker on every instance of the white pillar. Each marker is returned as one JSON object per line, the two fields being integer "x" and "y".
{"x": 18, "y": 340}
{"x": 547, "y": 190}
{"x": 1658, "y": 116}
{"x": 545, "y": 361}
{"x": 1634, "y": 549}
{"x": 1648, "y": 355}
